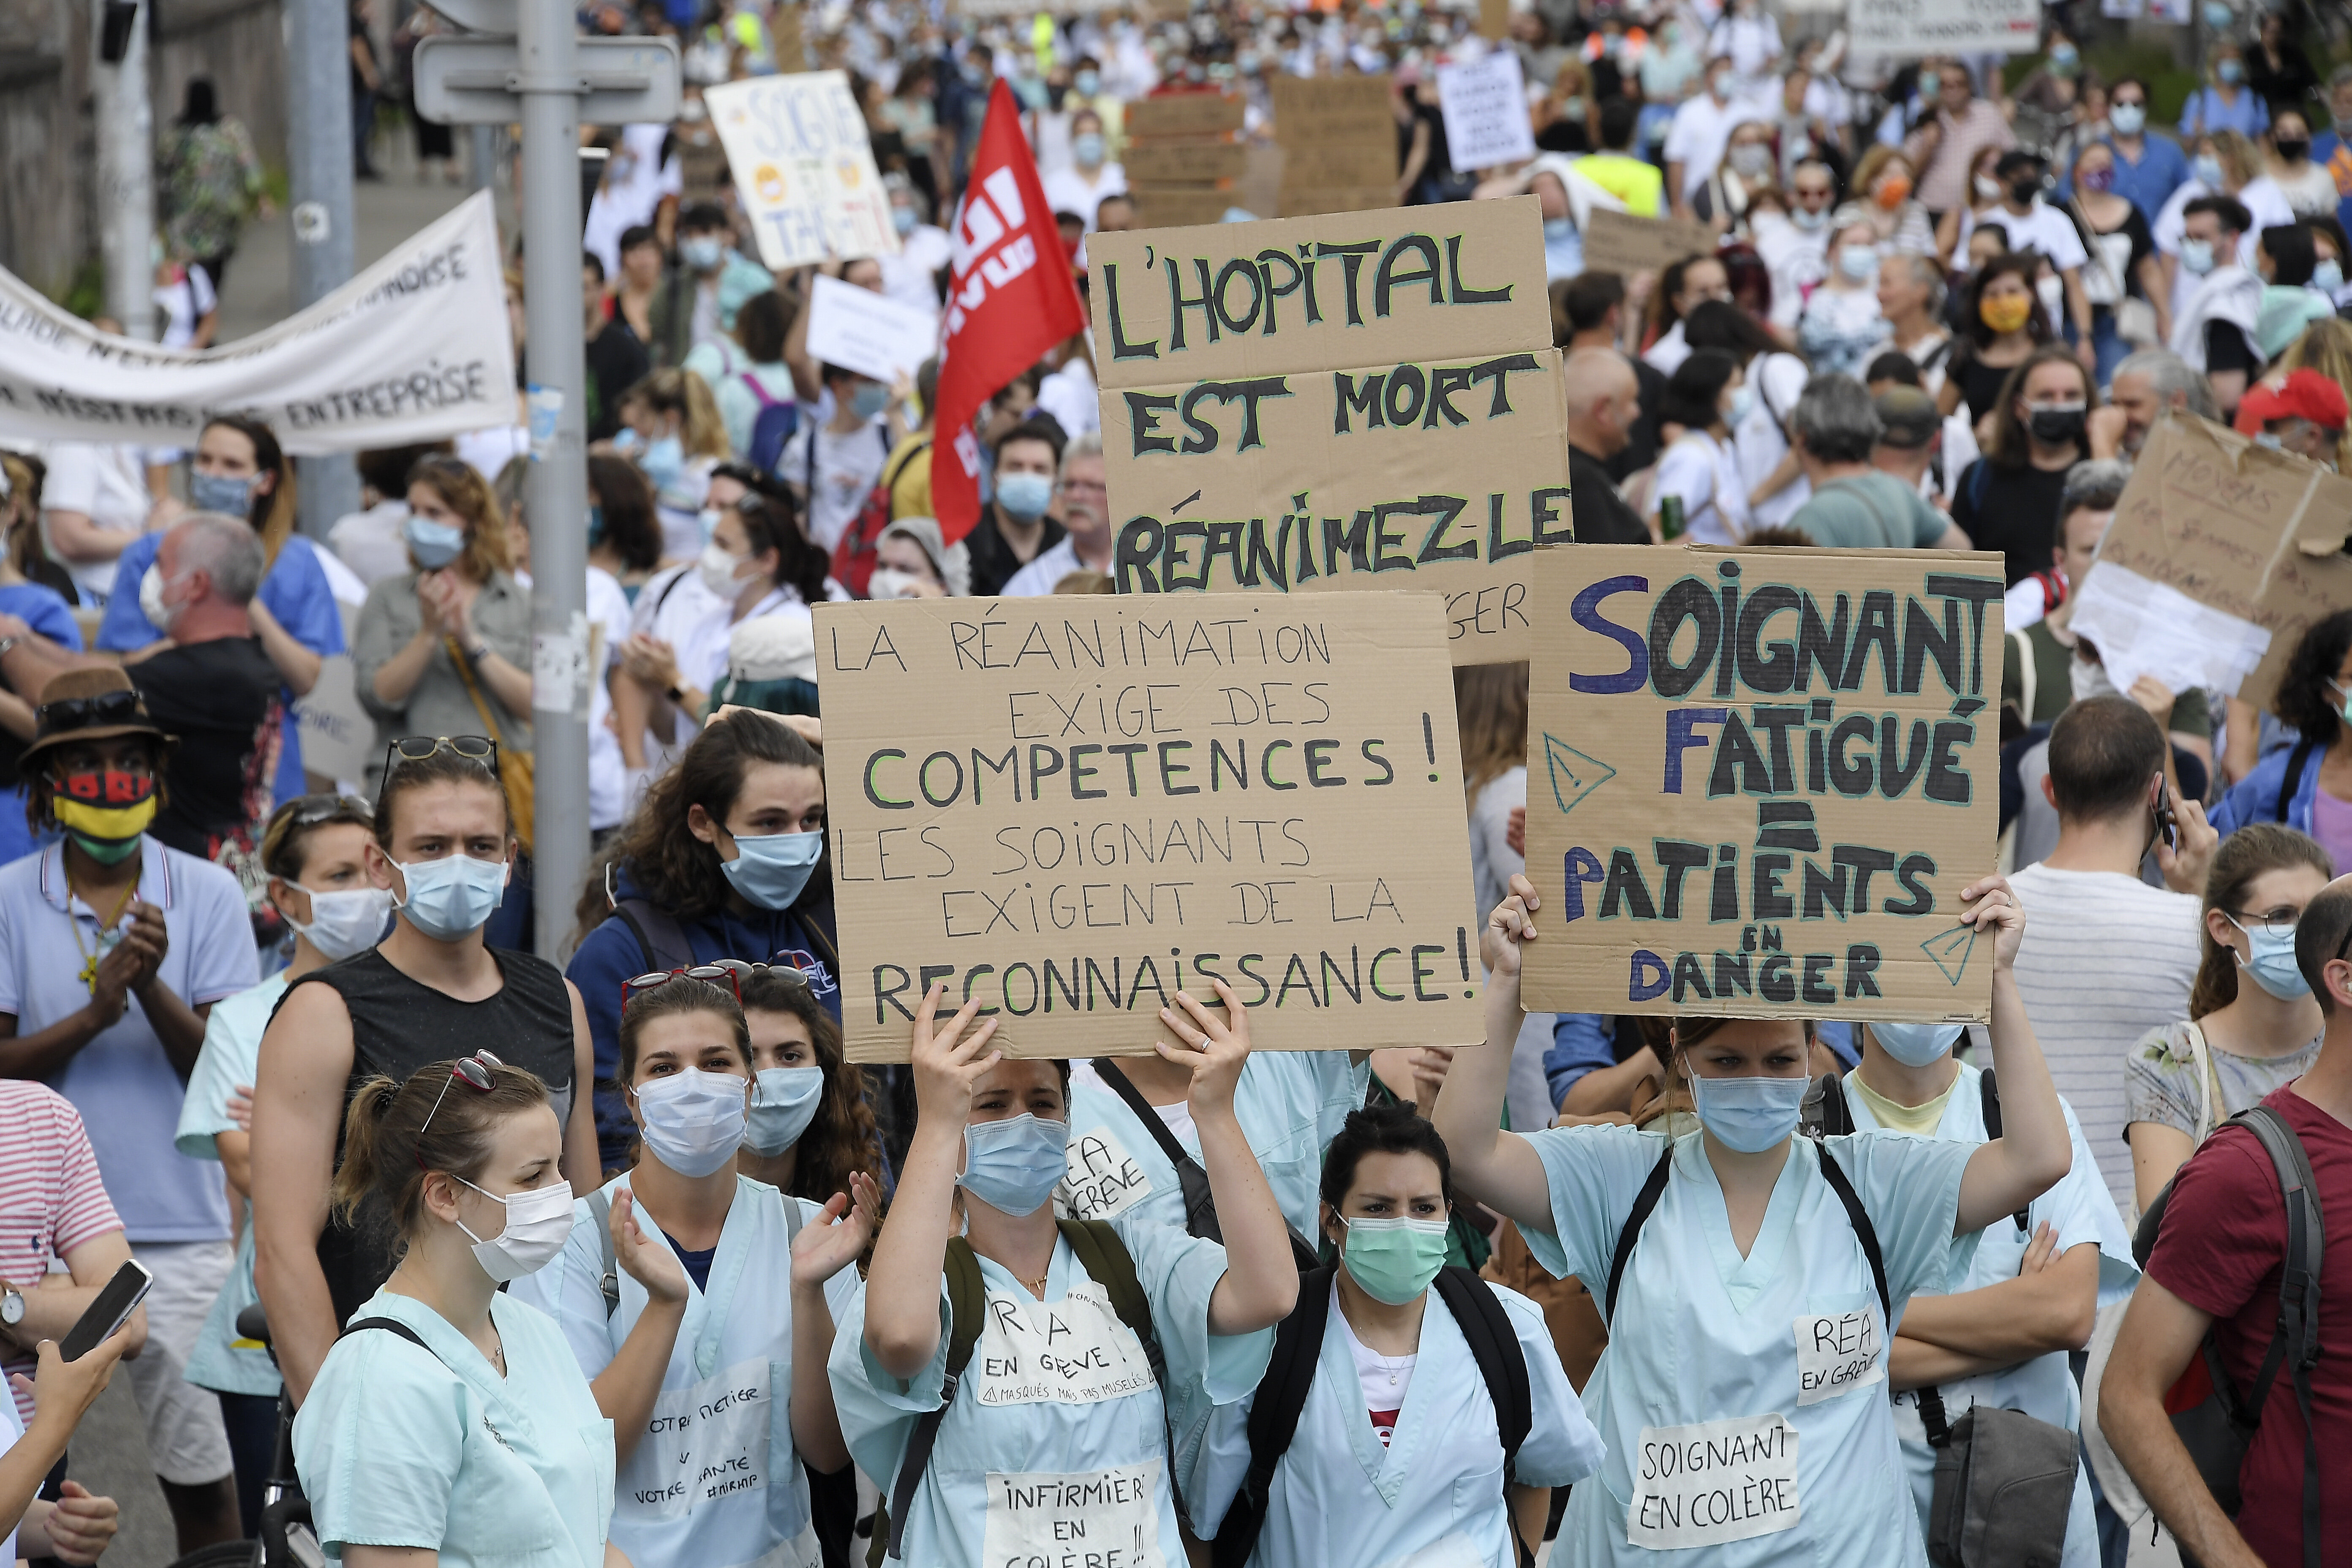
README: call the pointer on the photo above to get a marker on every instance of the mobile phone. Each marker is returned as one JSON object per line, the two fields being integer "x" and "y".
{"x": 2167, "y": 826}
{"x": 115, "y": 1303}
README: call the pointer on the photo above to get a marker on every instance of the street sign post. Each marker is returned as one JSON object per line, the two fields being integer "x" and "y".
{"x": 467, "y": 81}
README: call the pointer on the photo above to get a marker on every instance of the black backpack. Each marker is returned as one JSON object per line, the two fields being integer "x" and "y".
{"x": 1297, "y": 1347}
{"x": 1200, "y": 1204}
{"x": 2218, "y": 1431}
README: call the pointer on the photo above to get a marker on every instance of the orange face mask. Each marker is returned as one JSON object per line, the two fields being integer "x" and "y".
{"x": 1892, "y": 190}
{"x": 2006, "y": 313}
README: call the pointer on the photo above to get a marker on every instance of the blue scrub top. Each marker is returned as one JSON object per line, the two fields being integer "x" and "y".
{"x": 296, "y": 593}
{"x": 46, "y": 611}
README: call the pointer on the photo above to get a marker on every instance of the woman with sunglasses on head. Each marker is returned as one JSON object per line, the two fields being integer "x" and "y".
{"x": 686, "y": 1286}
{"x": 726, "y": 859}
{"x": 444, "y": 847}
{"x": 448, "y": 1425}
{"x": 315, "y": 851}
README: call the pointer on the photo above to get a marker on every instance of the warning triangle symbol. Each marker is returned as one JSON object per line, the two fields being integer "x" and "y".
{"x": 1574, "y": 775}
{"x": 1950, "y": 951}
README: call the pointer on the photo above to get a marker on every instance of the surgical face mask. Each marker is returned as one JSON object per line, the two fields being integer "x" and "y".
{"x": 771, "y": 869}
{"x": 2064, "y": 58}
{"x": 1743, "y": 403}
{"x": 1748, "y": 1115}
{"x": 903, "y": 219}
{"x": 663, "y": 461}
{"x": 539, "y": 1222}
{"x": 2208, "y": 170}
{"x": 693, "y": 1119}
{"x": 870, "y": 398}
{"x": 1013, "y": 1165}
{"x": 1088, "y": 83}
{"x": 449, "y": 896}
{"x": 1987, "y": 187}
{"x": 628, "y": 440}
{"x": 1025, "y": 496}
{"x": 1753, "y": 159}
{"x": 433, "y": 544}
{"x": 2054, "y": 424}
{"x": 2267, "y": 439}
{"x": 2294, "y": 149}
{"x": 783, "y": 1103}
{"x": 1557, "y": 229}
{"x": 1086, "y": 148}
{"x": 890, "y": 582}
{"x": 718, "y": 569}
{"x": 345, "y": 921}
{"x": 1917, "y": 1044}
{"x": 701, "y": 252}
{"x": 1394, "y": 1259}
{"x": 227, "y": 494}
{"x": 1859, "y": 263}
{"x": 2272, "y": 964}
{"x": 1930, "y": 84}
{"x": 2230, "y": 73}
{"x": 2127, "y": 118}
{"x": 1811, "y": 222}
{"x": 707, "y": 520}
{"x": 2197, "y": 256}
{"x": 151, "y": 598}
{"x": 2329, "y": 275}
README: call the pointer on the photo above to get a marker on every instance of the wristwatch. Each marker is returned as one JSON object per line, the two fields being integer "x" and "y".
{"x": 12, "y": 1305}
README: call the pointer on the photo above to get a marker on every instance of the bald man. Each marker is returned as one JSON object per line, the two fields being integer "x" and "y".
{"x": 1603, "y": 402}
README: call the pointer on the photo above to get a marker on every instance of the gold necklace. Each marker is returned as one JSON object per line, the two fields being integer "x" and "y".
{"x": 91, "y": 956}
{"x": 1037, "y": 1287}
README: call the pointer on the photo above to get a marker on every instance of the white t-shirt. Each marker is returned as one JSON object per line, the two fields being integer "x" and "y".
{"x": 1066, "y": 190}
{"x": 187, "y": 302}
{"x": 1070, "y": 396}
{"x": 1700, "y": 131}
{"x": 907, "y": 277}
{"x": 846, "y": 469}
{"x": 1798, "y": 261}
{"x": 106, "y": 484}
{"x": 1039, "y": 576}
{"x": 1666, "y": 355}
{"x": 2045, "y": 230}
{"x": 1758, "y": 440}
{"x": 1704, "y": 473}
{"x": 1384, "y": 1379}
{"x": 2311, "y": 193}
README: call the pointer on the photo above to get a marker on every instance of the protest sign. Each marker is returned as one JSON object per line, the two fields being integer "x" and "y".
{"x": 1485, "y": 102}
{"x": 338, "y": 734}
{"x": 1071, "y": 808}
{"x": 2221, "y": 555}
{"x": 1758, "y": 780}
{"x": 1357, "y": 401}
{"x": 1338, "y": 137}
{"x": 804, "y": 167}
{"x": 1907, "y": 29}
{"x": 1183, "y": 114}
{"x": 415, "y": 349}
{"x": 870, "y": 333}
{"x": 1622, "y": 243}
{"x": 1186, "y": 161}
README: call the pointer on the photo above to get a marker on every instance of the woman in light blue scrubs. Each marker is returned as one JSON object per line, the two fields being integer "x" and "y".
{"x": 1743, "y": 1394}
{"x": 450, "y": 1427}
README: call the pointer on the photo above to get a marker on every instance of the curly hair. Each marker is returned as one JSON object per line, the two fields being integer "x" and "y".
{"x": 842, "y": 1137}
{"x": 2250, "y": 852}
{"x": 2303, "y": 703}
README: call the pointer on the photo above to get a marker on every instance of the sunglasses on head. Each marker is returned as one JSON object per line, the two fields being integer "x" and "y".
{"x": 416, "y": 748}
{"x": 734, "y": 971}
{"x": 477, "y": 1072}
{"x": 83, "y": 712}
{"x": 316, "y": 809}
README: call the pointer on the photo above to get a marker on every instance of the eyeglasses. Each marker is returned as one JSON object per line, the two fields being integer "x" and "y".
{"x": 83, "y": 712}
{"x": 477, "y": 1072}
{"x": 416, "y": 748}
{"x": 2279, "y": 928}
{"x": 733, "y": 971}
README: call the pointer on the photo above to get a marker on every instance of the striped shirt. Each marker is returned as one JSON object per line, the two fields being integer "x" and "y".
{"x": 2106, "y": 958}
{"x": 51, "y": 1200}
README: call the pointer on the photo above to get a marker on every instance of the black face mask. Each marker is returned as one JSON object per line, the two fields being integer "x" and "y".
{"x": 2057, "y": 424}
{"x": 2293, "y": 150}
{"x": 2023, "y": 191}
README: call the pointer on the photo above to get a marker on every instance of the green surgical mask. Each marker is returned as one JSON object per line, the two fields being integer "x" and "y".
{"x": 1394, "y": 1259}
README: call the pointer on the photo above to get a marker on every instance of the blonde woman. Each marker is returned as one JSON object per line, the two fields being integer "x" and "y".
{"x": 1884, "y": 183}
{"x": 671, "y": 428}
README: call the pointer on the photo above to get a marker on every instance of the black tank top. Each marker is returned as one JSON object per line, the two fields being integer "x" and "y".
{"x": 399, "y": 1024}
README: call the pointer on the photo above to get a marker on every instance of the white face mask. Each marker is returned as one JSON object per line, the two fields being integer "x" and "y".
{"x": 718, "y": 569}
{"x": 345, "y": 921}
{"x": 693, "y": 1119}
{"x": 890, "y": 582}
{"x": 539, "y": 1222}
{"x": 151, "y": 598}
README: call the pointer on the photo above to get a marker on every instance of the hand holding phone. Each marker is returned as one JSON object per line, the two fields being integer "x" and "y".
{"x": 2167, "y": 824}
{"x": 63, "y": 1391}
{"x": 113, "y": 1305}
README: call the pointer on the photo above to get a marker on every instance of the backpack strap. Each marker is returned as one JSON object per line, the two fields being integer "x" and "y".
{"x": 1274, "y": 1418}
{"x": 2292, "y": 781}
{"x": 390, "y": 1326}
{"x": 966, "y": 1306}
{"x": 1834, "y": 1173}
{"x": 1989, "y": 1105}
{"x": 600, "y": 1209}
{"x": 1825, "y": 1112}
{"x": 1200, "y": 1207}
{"x": 659, "y": 935}
{"x": 2029, "y": 675}
{"x": 1631, "y": 1231}
{"x": 2295, "y": 1338}
{"x": 1495, "y": 1346}
{"x": 1107, "y": 1262}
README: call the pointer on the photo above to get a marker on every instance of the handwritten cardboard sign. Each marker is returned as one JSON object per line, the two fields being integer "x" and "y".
{"x": 2221, "y": 555}
{"x": 1906, "y": 30}
{"x": 1622, "y": 243}
{"x": 804, "y": 167}
{"x": 1758, "y": 780}
{"x": 1363, "y": 400}
{"x": 1485, "y": 102}
{"x": 1072, "y": 808}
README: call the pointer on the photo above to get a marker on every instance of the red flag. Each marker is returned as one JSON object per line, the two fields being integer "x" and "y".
{"x": 1011, "y": 298}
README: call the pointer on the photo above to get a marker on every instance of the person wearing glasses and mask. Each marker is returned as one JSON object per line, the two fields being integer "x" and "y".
{"x": 686, "y": 1286}
{"x": 444, "y": 847}
{"x": 315, "y": 851}
{"x": 104, "y": 916}
{"x": 449, "y": 1423}
{"x": 725, "y": 859}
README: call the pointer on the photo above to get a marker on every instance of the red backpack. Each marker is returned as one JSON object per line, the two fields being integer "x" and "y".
{"x": 855, "y": 556}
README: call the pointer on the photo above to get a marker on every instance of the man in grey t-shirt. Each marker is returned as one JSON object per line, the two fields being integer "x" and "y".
{"x": 1854, "y": 505}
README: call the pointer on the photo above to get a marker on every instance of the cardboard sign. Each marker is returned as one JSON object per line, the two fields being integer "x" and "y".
{"x": 1205, "y": 161}
{"x": 1910, "y": 28}
{"x": 338, "y": 734}
{"x": 1758, "y": 780}
{"x": 1367, "y": 400}
{"x": 1331, "y": 110}
{"x": 804, "y": 167}
{"x": 870, "y": 333}
{"x": 1622, "y": 243}
{"x": 2221, "y": 555}
{"x": 1485, "y": 102}
{"x": 1071, "y": 808}
{"x": 1183, "y": 114}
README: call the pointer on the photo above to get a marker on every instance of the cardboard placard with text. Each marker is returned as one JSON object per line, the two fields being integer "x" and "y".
{"x": 2221, "y": 555}
{"x": 805, "y": 167}
{"x": 1071, "y": 808}
{"x": 1758, "y": 780}
{"x": 1622, "y": 243}
{"x": 1363, "y": 400}
{"x": 1907, "y": 29}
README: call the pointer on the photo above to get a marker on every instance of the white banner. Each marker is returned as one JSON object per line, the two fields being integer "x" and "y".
{"x": 1910, "y": 28}
{"x": 870, "y": 333}
{"x": 414, "y": 349}
{"x": 805, "y": 168}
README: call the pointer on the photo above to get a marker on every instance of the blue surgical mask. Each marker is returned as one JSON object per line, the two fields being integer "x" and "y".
{"x": 2208, "y": 170}
{"x": 1917, "y": 1044}
{"x": 1088, "y": 83}
{"x": 702, "y": 252}
{"x": 1809, "y": 222}
{"x": 2230, "y": 73}
{"x": 1025, "y": 496}
{"x": 227, "y": 494}
{"x": 1013, "y": 1165}
{"x": 783, "y": 1103}
{"x": 903, "y": 220}
{"x": 2197, "y": 256}
{"x": 693, "y": 1120}
{"x": 449, "y": 896}
{"x": 1394, "y": 1259}
{"x": 1743, "y": 403}
{"x": 2127, "y": 118}
{"x": 771, "y": 869}
{"x": 628, "y": 440}
{"x": 870, "y": 398}
{"x": 1557, "y": 229}
{"x": 1858, "y": 263}
{"x": 708, "y": 520}
{"x": 1748, "y": 1115}
{"x": 2272, "y": 965}
{"x": 433, "y": 544}
{"x": 2329, "y": 275}
{"x": 1086, "y": 149}
{"x": 663, "y": 461}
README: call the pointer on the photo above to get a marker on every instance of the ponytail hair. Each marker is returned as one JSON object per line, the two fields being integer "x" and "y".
{"x": 2246, "y": 854}
{"x": 388, "y": 1150}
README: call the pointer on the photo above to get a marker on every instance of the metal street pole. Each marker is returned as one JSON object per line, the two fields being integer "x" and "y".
{"x": 555, "y": 493}
{"x": 126, "y": 173}
{"x": 483, "y": 155}
{"x": 318, "y": 170}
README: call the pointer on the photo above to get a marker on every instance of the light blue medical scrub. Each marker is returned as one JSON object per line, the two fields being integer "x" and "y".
{"x": 2082, "y": 1211}
{"x": 403, "y": 1445}
{"x": 1744, "y": 1399}
{"x": 1055, "y": 1435}
{"x": 221, "y": 1361}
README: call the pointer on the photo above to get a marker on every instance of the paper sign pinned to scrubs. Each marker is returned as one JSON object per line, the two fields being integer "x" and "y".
{"x": 1712, "y": 1482}
{"x": 1104, "y": 1179}
{"x": 1838, "y": 1353}
{"x": 1107, "y": 1517}
{"x": 1070, "y": 809}
{"x": 1759, "y": 779}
